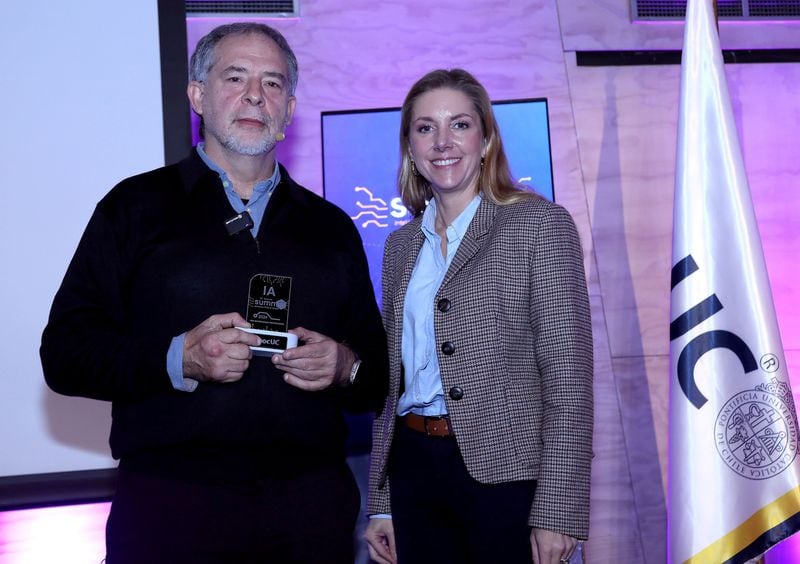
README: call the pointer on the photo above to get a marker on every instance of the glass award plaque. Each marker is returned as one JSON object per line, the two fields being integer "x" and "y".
{"x": 268, "y": 313}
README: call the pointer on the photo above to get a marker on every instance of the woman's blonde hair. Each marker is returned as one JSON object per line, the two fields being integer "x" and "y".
{"x": 495, "y": 182}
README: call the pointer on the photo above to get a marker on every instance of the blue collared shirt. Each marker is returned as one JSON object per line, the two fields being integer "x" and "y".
{"x": 262, "y": 191}
{"x": 423, "y": 393}
{"x": 256, "y": 207}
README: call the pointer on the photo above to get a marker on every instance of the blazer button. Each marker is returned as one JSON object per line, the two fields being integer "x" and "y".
{"x": 443, "y": 305}
{"x": 456, "y": 393}
{"x": 448, "y": 348}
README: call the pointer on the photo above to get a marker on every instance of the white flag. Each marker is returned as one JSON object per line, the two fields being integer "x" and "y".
{"x": 733, "y": 466}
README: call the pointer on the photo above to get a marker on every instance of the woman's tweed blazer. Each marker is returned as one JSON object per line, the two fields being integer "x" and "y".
{"x": 514, "y": 308}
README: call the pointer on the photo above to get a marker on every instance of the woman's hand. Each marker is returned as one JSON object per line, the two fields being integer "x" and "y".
{"x": 380, "y": 538}
{"x": 550, "y": 547}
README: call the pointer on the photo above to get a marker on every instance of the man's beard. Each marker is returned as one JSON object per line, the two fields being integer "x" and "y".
{"x": 259, "y": 147}
{"x": 242, "y": 144}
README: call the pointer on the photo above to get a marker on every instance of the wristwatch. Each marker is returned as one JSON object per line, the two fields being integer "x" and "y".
{"x": 354, "y": 371}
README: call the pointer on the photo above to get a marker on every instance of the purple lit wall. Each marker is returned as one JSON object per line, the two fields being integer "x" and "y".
{"x": 68, "y": 535}
{"x": 625, "y": 123}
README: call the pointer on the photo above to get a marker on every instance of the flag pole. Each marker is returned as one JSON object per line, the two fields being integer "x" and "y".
{"x": 716, "y": 14}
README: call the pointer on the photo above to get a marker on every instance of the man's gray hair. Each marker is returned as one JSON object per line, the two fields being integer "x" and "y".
{"x": 203, "y": 57}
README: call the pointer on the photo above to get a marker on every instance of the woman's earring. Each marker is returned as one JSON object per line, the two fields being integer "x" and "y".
{"x": 414, "y": 170}
{"x": 482, "y": 159}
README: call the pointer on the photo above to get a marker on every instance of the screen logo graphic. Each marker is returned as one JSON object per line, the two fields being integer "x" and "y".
{"x": 373, "y": 212}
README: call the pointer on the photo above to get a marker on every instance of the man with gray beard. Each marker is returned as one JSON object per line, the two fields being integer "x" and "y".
{"x": 225, "y": 456}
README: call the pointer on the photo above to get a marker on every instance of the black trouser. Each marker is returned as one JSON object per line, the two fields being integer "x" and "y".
{"x": 304, "y": 518}
{"x": 442, "y": 515}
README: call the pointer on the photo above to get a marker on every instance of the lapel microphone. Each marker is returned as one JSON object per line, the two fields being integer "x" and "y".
{"x": 239, "y": 223}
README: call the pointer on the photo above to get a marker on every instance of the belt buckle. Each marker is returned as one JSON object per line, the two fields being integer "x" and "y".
{"x": 425, "y": 421}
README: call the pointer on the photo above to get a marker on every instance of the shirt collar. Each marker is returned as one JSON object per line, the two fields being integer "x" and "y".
{"x": 457, "y": 229}
{"x": 261, "y": 188}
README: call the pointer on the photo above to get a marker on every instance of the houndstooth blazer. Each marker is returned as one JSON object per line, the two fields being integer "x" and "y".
{"x": 513, "y": 305}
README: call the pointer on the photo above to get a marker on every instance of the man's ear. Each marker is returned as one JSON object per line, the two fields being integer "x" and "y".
{"x": 290, "y": 104}
{"x": 194, "y": 91}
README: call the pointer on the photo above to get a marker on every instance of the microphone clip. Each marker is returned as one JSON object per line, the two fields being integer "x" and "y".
{"x": 239, "y": 223}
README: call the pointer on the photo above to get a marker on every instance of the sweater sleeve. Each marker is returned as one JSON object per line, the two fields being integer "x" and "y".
{"x": 87, "y": 349}
{"x": 364, "y": 333}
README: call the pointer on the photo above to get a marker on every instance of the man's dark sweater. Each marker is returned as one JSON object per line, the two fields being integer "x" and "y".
{"x": 154, "y": 262}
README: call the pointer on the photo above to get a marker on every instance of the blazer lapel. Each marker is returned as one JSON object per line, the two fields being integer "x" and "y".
{"x": 471, "y": 244}
{"x": 404, "y": 267}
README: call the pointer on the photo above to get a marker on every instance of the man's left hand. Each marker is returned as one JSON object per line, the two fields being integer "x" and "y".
{"x": 319, "y": 363}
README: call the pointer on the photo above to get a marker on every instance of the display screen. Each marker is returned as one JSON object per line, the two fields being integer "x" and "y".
{"x": 360, "y": 158}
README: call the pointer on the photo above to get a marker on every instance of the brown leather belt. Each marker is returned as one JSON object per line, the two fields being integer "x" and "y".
{"x": 431, "y": 426}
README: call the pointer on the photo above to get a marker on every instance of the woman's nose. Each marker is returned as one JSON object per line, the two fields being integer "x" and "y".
{"x": 442, "y": 140}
